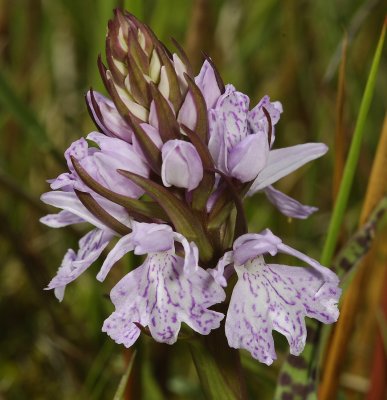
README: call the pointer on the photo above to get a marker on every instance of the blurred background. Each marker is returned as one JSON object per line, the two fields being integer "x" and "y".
{"x": 290, "y": 50}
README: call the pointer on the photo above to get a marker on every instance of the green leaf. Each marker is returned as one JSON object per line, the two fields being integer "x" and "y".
{"x": 151, "y": 152}
{"x": 119, "y": 395}
{"x": 201, "y": 194}
{"x": 168, "y": 126}
{"x": 173, "y": 81}
{"x": 218, "y": 367}
{"x": 353, "y": 157}
{"x": 143, "y": 211}
{"x": 91, "y": 204}
{"x": 181, "y": 216}
{"x": 201, "y": 128}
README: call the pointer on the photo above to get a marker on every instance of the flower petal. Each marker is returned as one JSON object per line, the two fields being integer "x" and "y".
{"x": 217, "y": 144}
{"x": 116, "y": 154}
{"x": 257, "y": 118}
{"x": 182, "y": 166}
{"x": 248, "y": 157}
{"x": 158, "y": 294}
{"x": 74, "y": 264}
{"x": 282, "y": 162}
{"x": 218, "y": 273}
{"x": 123, "y": 246}
{"x": 251, "y": 245}
{"x": 69, "y": 201}
{"x": 208, "y": 85}
{"x": 152, "y": 238}
{"x": 107, "y": 117}
{"x": 146, "y": 238}
{"x": 233, "y": 107}
{"x": 288, "y": 206}
{"x": 61, "y": 219}
{"x": 278, "y": 297}
{"x": 187, "y": 114}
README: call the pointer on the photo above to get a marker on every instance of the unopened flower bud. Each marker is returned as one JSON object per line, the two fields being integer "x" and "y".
{"x": 182, "y": 166}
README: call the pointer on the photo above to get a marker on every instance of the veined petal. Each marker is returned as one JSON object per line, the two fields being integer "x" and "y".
{"x": 278, "y": 297}
{"x": 61, "y": 219}
{"x": 74, "y": 264}
{"x": 145, "y": 238}
{"x": 288, "y": 206}
{"x": 257, "y": 118}
{"x": 217, "y": 144}
{"x": 159, "y": 295}
{"x": 151, "y": 238}
{"x": 282, "y": 162}
{"x": 233, "y": 107}
{"x": 79, "y": 150}
{"x": 271, "y": 296}
{"x": 116, "y": 154}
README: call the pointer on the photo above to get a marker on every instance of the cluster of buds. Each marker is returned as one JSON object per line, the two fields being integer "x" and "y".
{"x": 174, "y": 157}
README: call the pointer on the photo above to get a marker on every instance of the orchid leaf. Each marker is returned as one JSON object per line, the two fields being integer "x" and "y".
{"x": 152, "y": 153}
{"x": 183, "y": 57}
{"x": 201, "y": 128}
{"x": 181, "y": 216}
{"x": 138, "y": 85}
{"x": 137, "y": 53}
{"x": 143, "y": 210}
{"x": 201, "y": 194}
{"x": 168, "y": 126}
{"x": 173, "y": 81}
{"x": 91, "y": 204}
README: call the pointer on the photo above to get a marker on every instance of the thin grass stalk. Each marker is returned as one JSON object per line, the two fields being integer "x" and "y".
{"x": 119, "y": 395}
{"x": 340, "y": 136}
{"x": 353, "y": 157}
{"x": 375, "y": 191}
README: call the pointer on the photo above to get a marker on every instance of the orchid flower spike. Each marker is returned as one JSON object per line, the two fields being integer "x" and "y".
{"x": 165, "y": 176}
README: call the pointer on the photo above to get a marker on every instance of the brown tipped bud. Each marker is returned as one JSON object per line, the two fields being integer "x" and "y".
{"x": 135, "y": 60}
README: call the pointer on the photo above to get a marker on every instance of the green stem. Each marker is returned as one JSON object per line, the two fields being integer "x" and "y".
{"x": 218, "y": 367}
{"x": 353, "y": 157}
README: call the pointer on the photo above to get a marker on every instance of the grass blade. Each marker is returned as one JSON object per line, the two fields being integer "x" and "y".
{"x": 119, "y": 395}
{"x": 353, "y": 156}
